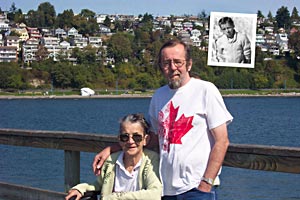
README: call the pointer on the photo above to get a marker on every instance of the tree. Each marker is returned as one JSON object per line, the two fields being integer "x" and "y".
{"x": 61, "y": 75}
{"x": 294, "y": 42}
{"x": 19, "y": 17}
{"x": 86, "y": 23}
{"x": 85, "y": 56}
{"x": 65, "y": 19}
{"x": 145, "y": 81}
{"x": 127, "y": 25}
{"x": 295, "y": 15}
{"x": 13, "y": 8}
{"x": 119, "y": 47}
{"x": 147, "y": 18}
{"x": 142, "y": 38}
{"x": 81, "y": 76}
{"x": 87, "y": 13}
{"x": 261, "y": 81}
{"x": 259, "y": 14}
{"x": 270, "y": 17}
{"x": 107, "y": 22}
{"x": 146, "y": 23}
{"x": 11, "y": 77}
{"x": 283, "y": 18}
{"x": 32, "y": 18}
{"x": 42, "y": 53}
{"x": 15, "y": 14}
{"x": 46, "y": 14}
{"x": 203, "y": 15}
{"x": 118, "y": 26}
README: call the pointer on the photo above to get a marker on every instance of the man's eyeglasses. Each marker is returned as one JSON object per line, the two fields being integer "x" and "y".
{"x": 124, "y": 137}
{"x": 177, "y": 63}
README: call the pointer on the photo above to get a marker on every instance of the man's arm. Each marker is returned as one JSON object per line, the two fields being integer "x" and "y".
{"x": 217, "y": 155}
{"x": 102, "y": 156}
{"x": 247, "y": 50}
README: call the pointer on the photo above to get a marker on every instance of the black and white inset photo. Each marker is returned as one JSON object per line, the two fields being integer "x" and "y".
{"x": 232, "y": 39}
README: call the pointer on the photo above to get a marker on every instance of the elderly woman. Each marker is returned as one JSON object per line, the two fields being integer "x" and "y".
{"x": 131, "y": 173}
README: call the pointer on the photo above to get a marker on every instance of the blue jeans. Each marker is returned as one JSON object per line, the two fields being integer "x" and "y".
{"x": 194, "y": 194}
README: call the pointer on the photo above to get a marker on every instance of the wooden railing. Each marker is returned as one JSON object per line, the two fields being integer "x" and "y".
{"x": 256, "y": 157}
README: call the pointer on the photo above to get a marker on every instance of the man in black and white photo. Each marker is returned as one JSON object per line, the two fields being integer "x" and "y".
{"x": 232, "y": 46}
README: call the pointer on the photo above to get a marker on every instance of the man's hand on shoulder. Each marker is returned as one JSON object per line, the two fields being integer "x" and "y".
{"x": 102, "y": 156}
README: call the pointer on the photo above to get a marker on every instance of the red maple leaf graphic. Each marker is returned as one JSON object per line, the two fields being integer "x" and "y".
{"x": 175, "y": 130}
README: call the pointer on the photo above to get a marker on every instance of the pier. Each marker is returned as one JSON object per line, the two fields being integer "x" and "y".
{"x": 254, "y": 157}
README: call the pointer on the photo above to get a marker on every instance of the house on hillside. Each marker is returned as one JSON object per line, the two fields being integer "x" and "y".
{"x": 187, "y": 26}
{"x": 60, "y": 33}
{"x": 34, "y": 33}
{"x": 196, "y": 41}
{"x": 282, "y": 41}
{"x": 72, "y": 32}
{"x": 23, "y": 33}
{"x": 184, "y": 34}
{"x": 100, "y": 18}
{"x": 8, "y": 54}
{"x": 30, "y": 47}
{"x": 12, "y": 41}
{"x": 196, "y": 32}
{"x": 80, "y": 41}
{"x": 270, "y": 39}
{"x": 177, "y": 26}
{"x": 260, "y": 39}
{"x": 65, "y": 49}
{"x": 52, "y": 46}
{"x": 269, "y": 30}
{"x": 47, "y": 32}
{"x": 294, "y": 30}
{"x": 4, "y": 22}
{"x": 95, "y": 41}
{"x": 104, "y": 29}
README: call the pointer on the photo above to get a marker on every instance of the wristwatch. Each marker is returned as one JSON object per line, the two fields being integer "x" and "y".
{"x": 209, "y": 181}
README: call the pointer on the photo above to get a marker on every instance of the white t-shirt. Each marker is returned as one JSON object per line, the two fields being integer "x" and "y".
{"x": 182, "y": 119}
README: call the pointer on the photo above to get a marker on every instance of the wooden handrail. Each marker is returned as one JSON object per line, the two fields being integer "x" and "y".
{"x": 262, "y": 157}
{"x": 258, "y": 157}
{"x": 63, "y": 140}
{"x": 13, "y": 191}
{"x": 255, "y": 157}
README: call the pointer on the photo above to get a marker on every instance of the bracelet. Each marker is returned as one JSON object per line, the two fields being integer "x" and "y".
{"x": 209, "y": 181}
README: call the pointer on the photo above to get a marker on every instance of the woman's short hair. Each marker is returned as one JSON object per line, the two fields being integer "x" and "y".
{"x": 136, "y": 118}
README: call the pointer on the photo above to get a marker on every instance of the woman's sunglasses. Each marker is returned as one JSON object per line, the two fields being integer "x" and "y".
{"x": 124, "y": 137}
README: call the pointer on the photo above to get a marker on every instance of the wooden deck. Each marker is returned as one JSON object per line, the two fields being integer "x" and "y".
{"x": 255, "y": 157}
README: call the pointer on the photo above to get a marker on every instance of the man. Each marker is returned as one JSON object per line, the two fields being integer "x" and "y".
{"x": 190, "y": 120}
{"x": 232, "y": 46}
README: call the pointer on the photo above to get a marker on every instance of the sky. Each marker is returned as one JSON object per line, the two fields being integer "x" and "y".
{"x": 158, "y": 7}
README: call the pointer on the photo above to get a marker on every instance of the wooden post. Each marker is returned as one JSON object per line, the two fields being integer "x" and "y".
{"x": 72, "y": 169}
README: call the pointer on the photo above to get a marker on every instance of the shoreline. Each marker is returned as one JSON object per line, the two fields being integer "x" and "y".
{"x": 74, "y": 96}
{"x": 291, "y": 94}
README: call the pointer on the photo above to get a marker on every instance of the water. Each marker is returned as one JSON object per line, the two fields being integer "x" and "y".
{"x": 257, "y": 120}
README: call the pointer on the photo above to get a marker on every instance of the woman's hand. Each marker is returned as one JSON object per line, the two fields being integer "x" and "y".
{"x": 73, "y": 193}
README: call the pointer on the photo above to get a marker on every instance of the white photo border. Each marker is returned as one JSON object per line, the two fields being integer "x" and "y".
{"x": 212, "y": 32}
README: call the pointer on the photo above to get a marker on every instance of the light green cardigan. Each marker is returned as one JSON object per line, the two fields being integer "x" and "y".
{"x": 151, "y": 187}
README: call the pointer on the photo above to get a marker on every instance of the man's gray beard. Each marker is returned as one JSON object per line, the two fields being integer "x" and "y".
{"x": 175, "y": 84}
